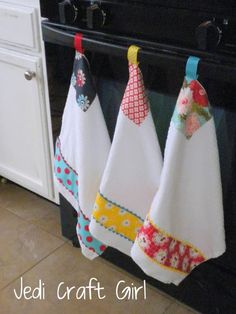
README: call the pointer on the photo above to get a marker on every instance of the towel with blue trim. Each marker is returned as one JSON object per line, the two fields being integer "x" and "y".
{"x": 81, "y": 152}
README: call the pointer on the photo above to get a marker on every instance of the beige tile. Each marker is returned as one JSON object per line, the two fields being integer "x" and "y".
{"x": 68, "y": 265}
{"x": 178, "y": 308}
{"x": 22, "y": 246}
{"x": 51, "y": 222}
{"x": 28, "y": 206}
{"x": 31, "y": 208}
{"x": 11, "y": 194}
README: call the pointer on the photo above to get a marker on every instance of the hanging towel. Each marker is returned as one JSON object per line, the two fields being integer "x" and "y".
{"x": 132, "y": 173}
{"x": 185, "y": 224}
{"x": 81, "y": 152}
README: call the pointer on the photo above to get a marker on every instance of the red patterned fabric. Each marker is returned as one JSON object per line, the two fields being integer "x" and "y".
{"x": 135, "y": 103}
{"x": 166, "y": 250}
{"x": 199, "y": 94}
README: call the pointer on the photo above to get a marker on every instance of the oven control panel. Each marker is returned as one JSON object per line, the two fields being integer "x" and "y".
{"x": 206, "y": 26}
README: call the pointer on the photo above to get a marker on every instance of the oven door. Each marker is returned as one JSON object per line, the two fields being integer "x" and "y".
{"x": 211, "y": 287}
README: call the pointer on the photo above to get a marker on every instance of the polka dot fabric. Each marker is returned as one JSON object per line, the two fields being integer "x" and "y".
{"x": 85, "y": 236}
{"x": 68, "y": 177}
{"x": 64, "y": 173}
{"x": 135, "y": 103}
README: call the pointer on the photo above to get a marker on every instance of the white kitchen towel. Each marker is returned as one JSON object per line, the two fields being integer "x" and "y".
{"x": 185, "y": 225}
{"x": 132, "y": 173}
{"x": 81, "y": 152}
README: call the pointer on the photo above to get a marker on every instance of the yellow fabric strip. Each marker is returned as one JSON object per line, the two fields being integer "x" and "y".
{"x": 132, "y": 54}
{"x": 115, "y": 218}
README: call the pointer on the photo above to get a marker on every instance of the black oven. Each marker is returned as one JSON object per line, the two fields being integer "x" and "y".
{"x": 168, "y": 32}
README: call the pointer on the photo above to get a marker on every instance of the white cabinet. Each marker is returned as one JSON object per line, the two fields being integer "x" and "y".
{"x": 26, "y": 149}
{"x": 19, "y": 26}
{"x": 24, "y": 153}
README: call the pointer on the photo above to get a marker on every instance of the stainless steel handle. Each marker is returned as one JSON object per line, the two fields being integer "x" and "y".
{"x": 29, "y": 75}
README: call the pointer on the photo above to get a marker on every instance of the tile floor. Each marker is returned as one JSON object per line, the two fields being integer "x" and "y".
{"x": 32, "y": 248}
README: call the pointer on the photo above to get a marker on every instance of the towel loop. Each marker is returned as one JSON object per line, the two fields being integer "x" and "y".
{"x": 78, "y": 42}
{"x": 192, "y": 68}
{"x": 132, "y": 54}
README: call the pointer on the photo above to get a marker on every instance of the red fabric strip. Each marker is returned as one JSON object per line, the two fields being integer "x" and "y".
{"x": 78, "y": 42}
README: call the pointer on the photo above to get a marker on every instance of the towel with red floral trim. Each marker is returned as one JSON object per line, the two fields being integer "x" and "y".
{"x": 132, "y": 173}
{"x": 185, "y": 225}
{"x": 81, "y": 152}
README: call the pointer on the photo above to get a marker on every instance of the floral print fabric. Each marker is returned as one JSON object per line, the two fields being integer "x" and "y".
{"x": 192, "y": 108}
{"x": 166, "y": 250}
{"x": 82, "y": 81}
{"x": 116, "y": 218}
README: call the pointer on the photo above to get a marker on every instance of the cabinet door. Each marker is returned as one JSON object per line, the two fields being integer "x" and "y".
{"x": 24, "y": 133}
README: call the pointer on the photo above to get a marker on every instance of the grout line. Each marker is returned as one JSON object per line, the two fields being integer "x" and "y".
{"x": 183, "y": 305}
{"x": 29, "y": 269}
{"x": 52, "y": 234}
{"x": 34, "y": 223}
{"x": 37, "y": 199}
{"x": 168, "y": 306}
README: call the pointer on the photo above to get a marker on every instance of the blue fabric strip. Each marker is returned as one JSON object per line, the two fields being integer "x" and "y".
{"x": 69, "y": 179}
{"x": 191, "y": 68}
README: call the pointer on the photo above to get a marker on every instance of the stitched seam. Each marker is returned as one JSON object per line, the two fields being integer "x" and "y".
{"x": 117, "y": 205}
{"x": 122, "y": 236}
{"x": 79, "y": 209}
{"x": 59, "y": 147}
{"x": 89, "y": 248}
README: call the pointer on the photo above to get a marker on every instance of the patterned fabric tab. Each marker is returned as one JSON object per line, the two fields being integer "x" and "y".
{"x": 192, "y": 109}
{"x": 135, "y": 103}
{"x": 82, "y": 81}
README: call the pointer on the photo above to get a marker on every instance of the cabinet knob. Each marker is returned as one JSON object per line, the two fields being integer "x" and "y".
{"x": 29, "y": 75}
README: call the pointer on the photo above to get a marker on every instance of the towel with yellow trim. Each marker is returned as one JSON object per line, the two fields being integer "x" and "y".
{"x": 132, "y": 173}
{"x": 185, "y": 224}
{"x": 81, "y": 152}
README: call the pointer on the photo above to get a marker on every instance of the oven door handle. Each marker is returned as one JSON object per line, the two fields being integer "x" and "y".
{"x": 211, "y": 66}
{"x": 54, "y": 35}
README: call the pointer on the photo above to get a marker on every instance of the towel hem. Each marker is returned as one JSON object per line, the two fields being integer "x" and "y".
{"x": 110, "y": 239}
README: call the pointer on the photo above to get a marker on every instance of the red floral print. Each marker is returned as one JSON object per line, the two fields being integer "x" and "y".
{"x": 192, "y": 124}
{"x": 192, "y": 108}
{"x": 80, "y": 80}
{"x": 199, "y": 93}
{"x": 184, "y": 102}
{"x": 166, "y": 250}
